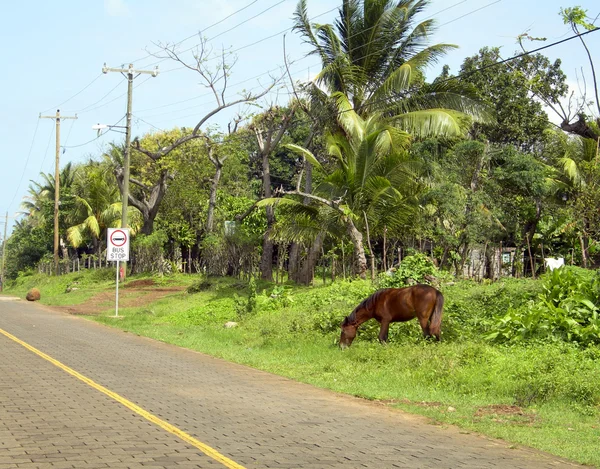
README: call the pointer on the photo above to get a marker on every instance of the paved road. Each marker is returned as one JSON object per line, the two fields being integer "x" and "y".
{"x": 52, "y": 419}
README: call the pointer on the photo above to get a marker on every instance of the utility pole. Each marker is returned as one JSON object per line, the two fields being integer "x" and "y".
{"x": 57, "y": 119}
{"x": 129, "y": 73}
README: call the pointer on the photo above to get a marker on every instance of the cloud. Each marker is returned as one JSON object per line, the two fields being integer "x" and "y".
{"x": 116, "y": 7}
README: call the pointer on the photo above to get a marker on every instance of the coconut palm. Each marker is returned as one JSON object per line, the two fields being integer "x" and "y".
{"x": 376, "y": 53}
{"x": 97, "y": 206}
{"x": 372, "y": 179}
{"x": 38, "y": 205}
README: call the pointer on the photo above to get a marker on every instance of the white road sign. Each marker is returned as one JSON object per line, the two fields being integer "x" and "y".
{"x": 117, "y": 244}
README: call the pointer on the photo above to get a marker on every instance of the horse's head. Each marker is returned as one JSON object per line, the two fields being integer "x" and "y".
{"x": 348, "y": 333}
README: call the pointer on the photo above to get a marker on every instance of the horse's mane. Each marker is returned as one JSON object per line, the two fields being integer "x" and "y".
{"x": 364, "y": 304}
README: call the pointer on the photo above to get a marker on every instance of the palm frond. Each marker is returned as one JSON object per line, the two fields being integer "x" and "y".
{"x": 306, "y": 154}
{"x": 433, "y": 123}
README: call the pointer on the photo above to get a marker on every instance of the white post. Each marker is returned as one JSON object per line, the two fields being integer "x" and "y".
{"x": 117, "y": 295}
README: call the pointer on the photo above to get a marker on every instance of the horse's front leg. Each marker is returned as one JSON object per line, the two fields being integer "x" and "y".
{"x": 383, "y": 331}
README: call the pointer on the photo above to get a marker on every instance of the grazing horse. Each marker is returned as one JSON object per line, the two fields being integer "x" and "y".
{"x": 393, "y": 305}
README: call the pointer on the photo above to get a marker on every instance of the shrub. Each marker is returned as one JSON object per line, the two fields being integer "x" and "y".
{"x": 565, "y": 310}
{"x": 414, "y": 269}
{"x": 200, "y": 286}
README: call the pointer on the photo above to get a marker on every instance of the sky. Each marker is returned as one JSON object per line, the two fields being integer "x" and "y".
{"x": 53, "y": 55}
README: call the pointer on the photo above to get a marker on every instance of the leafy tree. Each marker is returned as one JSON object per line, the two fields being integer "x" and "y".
{"x": 25, "y": 248}
{"x": 375, "y": 54}
{"x": 510, "y": 89}
{"x": 372, "y": 176}
{"x": 97, "y": 206}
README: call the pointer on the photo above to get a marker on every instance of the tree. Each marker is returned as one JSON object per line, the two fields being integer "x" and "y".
{"x": 510, "y": 88}
{"x": 97, "y": 206}
{"x": 372, "y": 176}
{"x": 375, "y": 54}
{"x": 215, "y": 79}
{"x": 269, "y": 128}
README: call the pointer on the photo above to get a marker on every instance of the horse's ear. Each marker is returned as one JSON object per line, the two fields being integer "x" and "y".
{"x": 345, "y": 322}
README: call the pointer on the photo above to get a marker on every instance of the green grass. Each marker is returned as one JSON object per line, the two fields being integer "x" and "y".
{"x": 292, "y": 332}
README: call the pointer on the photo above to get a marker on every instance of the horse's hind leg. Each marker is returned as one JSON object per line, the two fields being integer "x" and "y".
{"x": 424, "y": 321}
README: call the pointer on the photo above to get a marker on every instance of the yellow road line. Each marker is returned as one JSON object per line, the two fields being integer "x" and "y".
{"x": 135, "y": 408}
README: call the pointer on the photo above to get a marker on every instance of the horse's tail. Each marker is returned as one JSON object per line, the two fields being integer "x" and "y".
{"x": 435, "y": 322}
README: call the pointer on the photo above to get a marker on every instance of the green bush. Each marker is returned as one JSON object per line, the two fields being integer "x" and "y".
{"x": 566, "y": 310}
{"x": 200, "y": 286}
{"x": 414, "y": 269}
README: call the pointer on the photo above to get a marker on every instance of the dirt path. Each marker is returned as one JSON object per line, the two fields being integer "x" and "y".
{"x": 134, "y": 293}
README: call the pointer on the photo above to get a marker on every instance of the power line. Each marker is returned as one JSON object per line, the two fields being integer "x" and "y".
{"x": 469, "y": 13}
{"x": 47, "y": 147}
{"x": 220, "y": 34}
{"x": 114, "y": 99}
{"x": 303, "y": 58}
{"x": 96, "y": 138}
{"x": 87, "y": 108}
{"x": 75, "y": 95}
{"x": 495, "y": 64}
{"x": 69, "y": 133}
{"x": 37, "y": 124}
{"x": 462, "y": 75}
{"x": 148, "y": 123}
{"x": 204, "y": 30}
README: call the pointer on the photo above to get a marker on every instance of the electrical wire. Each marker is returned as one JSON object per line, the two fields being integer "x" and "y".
{"x": 69, "y": 133}
{"x": 75, "y": 95}
{"x": 457, "y": 77}
{"x": 47, "y": 148}
{"x": 305, "y": 57}
{"x": 204, "y": 30}
{"x": 87, "y": 108}
{"x": 114, "y": 99}
{"x": 26, "y": 163}
{"x": 96, "y": 138}
{"x": 220, "y": 34}
{"x": 148, "y": 123}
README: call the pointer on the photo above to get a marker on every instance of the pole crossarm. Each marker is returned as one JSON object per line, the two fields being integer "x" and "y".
{"x": 131, "y": 70}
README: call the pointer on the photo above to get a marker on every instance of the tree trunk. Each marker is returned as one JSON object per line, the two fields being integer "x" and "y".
{"x": 212, "y": 200}
{"x": 307, "y": 269}
{"x": 266, "y": 260}
{"x": 293, "y": 262}
{"x": 583, "y": 240}
{"x": 360, "y": 261}
{"x": 149, "y": 203}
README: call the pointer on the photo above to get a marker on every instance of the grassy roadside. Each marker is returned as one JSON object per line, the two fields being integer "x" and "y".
{"x": 545, "y": 396}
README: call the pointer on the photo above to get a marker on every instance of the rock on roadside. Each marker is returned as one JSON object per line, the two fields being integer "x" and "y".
{"x": 33, "y": 295}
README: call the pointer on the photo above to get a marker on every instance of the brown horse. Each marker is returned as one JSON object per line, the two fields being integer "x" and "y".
{"x": 393, "y": 305}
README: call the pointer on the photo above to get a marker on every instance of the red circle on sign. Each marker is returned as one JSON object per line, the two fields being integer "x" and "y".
{"x": 116, "y": 242}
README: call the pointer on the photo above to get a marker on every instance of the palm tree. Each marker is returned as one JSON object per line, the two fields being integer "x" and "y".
{"x": 38, "y": 206}
{"x": 97, "y": 206}
{"x": 376, "y": 55}
{"x": 373, "y": 177}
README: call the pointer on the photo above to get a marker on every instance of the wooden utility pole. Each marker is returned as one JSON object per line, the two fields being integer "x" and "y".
{"x": 129, "y": 73}
{"x": 3, "y": 253}
{"x": 57, "y": 118}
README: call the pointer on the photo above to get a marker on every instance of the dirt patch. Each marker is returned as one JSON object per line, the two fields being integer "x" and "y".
{"x": 147, "y": 282}
{"x": 506, "y": 414}
{"x": 135, "y": 293}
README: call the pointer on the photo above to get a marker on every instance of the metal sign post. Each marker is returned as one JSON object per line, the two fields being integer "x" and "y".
{"x": 117, "y": 250}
